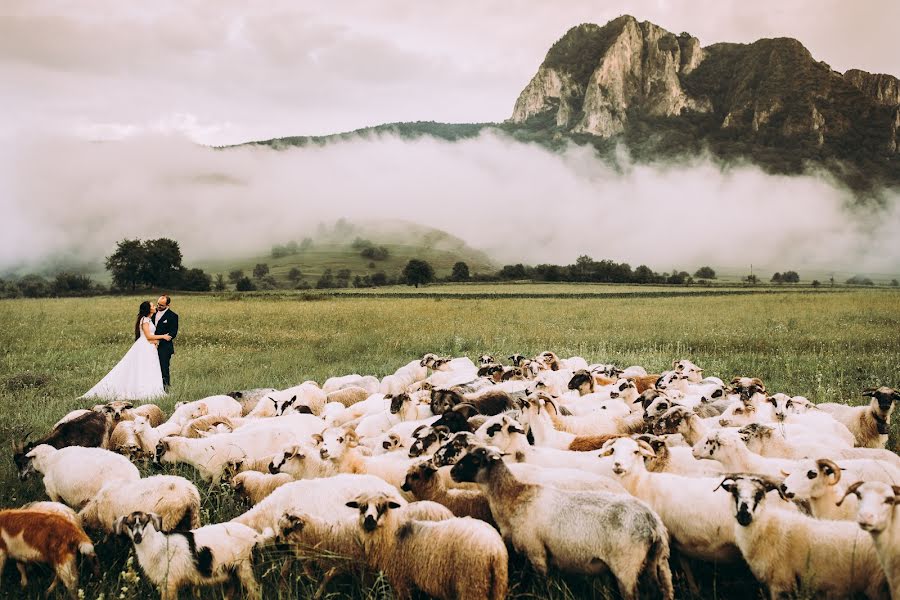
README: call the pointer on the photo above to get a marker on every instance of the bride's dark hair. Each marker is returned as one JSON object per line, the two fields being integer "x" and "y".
{"x": 143, "y": 311}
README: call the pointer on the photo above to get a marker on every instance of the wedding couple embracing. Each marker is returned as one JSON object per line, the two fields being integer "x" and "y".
{"x": 144, "y": 370}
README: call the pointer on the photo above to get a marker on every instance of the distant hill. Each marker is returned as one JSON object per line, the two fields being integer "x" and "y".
{"x": 666, "y": 97}
{"x": 332, "y": 248}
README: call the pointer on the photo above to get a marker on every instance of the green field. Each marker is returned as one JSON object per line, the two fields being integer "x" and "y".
{"x": 825, "y": 345}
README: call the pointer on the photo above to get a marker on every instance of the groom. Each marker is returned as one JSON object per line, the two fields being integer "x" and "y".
{"x": 166, "y": 321}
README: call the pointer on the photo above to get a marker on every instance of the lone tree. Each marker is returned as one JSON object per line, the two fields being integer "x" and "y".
{"x": 260, "y": 270}
{"x": 460, "y": 272}
{"x": 163, "y": 268}
{"x": 126, "y": 264}
{"x": 245, "y": 284}
{"x": 418, "y": 271}
{"x": 294, "y": 275}
{"x": 148, "y": 263}
{"x": 219, "y": 284}
{"x": 705, "y": 273}
{"x": 235, "y": 276}
{"x": 790, "y": 277}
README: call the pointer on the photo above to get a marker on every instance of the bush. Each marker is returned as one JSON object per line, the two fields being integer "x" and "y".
{"x": 195, "y": 280}
{"x": 219, "y": 285}
{"x": 326, "y": 280}
{"x": 460, "y": 272}
{"x": 70, "y": 284}
{"x": 294, "y": 275}
{"x": 418, "y": 272}
{"x": 235, "y": 276}
{"x": 260, "y": 270}
{"x": 245, "y": 284}
{"x": 375, "y": 253}
{"x": 34, "y": 286}
{"x": 860, "y": 280}
{"x": 705, "y": 273}
{"x": 267, "y": 283}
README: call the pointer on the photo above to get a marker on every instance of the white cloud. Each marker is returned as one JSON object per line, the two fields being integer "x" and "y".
{"x": 519, "y": 202}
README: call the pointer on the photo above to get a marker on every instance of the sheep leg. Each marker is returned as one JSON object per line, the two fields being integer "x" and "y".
{"x": 168, "y": 590}
{"x": 627, "y": 579}
{"x": 23, "y": 576}
{"x": 68, "y": 574}
{"x": 326, "y": 579}
{"x": 537, "y": 555}
{"x": 286, "y": 568}
{"x": 688, "y": 574}
{"x": 248, "y": 580}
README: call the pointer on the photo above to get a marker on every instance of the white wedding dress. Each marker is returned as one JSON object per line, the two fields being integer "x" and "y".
{"x": 137, "y": 376}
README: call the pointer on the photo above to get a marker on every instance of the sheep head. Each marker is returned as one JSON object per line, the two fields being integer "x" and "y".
{"x": 372, "y": 508}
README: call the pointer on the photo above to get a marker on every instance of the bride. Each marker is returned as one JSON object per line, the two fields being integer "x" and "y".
{"x": 138, "y": 375}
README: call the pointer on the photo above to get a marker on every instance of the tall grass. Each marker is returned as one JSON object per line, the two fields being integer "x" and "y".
{"x": 826, "y": 346}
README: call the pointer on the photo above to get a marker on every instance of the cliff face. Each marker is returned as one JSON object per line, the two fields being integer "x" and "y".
{"x": 607, "y": 81}
{"x": 885, "y": 89}
{"x": 594, "y": 75}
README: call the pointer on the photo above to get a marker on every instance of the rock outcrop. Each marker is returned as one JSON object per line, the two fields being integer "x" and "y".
{"x": 606, "y": 81}
{"x": 885, "y": 89}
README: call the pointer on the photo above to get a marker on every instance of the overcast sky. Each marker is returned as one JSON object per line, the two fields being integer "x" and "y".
{"x": 158, "y": 77}
{"x": 225, "y": 71}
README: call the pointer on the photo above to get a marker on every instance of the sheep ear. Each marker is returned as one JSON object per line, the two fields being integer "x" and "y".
{"x": 726, "y": 484}
{"x": 157, "y": 521}
{"x": 317, "y": 438}
{"x": 119, "y": 526}
{"x": 771, "y": 400}
{"x": 869, "y": 391}
{"x": 646, "y": 449}
{"x": 393, "y": 504}
{"x": 128, "y": 405}
{"x": 896, "y": 489}
{"x": 352, "y": 504}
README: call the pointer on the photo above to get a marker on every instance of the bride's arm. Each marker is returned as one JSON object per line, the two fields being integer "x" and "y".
{"x": 145, "y": 327}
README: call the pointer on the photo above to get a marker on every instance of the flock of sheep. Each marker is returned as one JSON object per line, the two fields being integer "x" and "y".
{"x": 433, "y": 474}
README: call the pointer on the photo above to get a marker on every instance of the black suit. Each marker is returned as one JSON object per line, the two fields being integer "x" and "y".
{"x": 167, "y": 324}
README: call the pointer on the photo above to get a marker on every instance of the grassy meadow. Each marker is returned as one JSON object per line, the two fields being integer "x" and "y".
{"x": 825, "y": 345}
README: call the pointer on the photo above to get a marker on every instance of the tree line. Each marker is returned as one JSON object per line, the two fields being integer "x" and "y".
{"x": 158, "y": 263}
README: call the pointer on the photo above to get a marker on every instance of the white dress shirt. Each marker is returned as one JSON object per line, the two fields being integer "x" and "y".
{"x": 159, "y": 315}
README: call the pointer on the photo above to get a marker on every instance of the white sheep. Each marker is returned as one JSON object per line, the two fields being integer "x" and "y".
{"x": 324, "y": 497}
{"x": 307, "y": 397}
{"x": 302, "y": 461}
{"x": 696, "y": 515}
{"x": 727, "y": 447}
{"x": 221, "y": 405}
{"x": 255, "y": 485}
{"x": 454, "y": 558}
{"x": 341, "y": 448}
{"x": 366, "y": 382}
{"x": 869, "y": 424}
{"x": 213, "y": 456}
{"x": 579, "y": 532}
{"x": 334, "y": 542}
{"x": 200, "y": 557}
{"x": 148, "y": 437}
{"x": 816, "y": 481}
{"x": 877, "y": 514}
{"x": 174, "y": 498}
{"x": 75, "y": 474}
{"x": 786, "y": 550}
{"x": 795, "y": 442}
